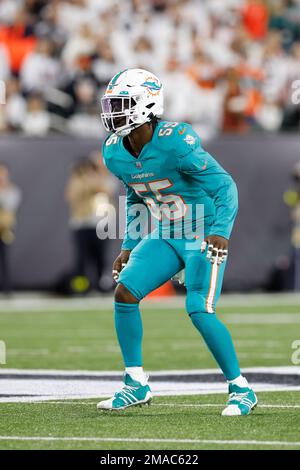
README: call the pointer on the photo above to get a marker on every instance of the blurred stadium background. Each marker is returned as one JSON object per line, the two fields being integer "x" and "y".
{"x": 232, "y": 69}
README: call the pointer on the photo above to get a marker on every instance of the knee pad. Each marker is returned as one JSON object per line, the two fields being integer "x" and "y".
{"x": 196, "y": 302}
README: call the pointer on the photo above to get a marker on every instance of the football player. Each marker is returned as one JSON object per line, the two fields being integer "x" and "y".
{"x": 164, "y": 167}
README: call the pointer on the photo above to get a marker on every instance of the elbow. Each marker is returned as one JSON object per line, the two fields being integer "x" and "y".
{"x": 232, "y": 197}
{"x": 235, "y": 196}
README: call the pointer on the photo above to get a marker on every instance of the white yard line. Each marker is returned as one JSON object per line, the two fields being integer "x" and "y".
{"x": 29, "y": 352}
{"x": 30, "y": 302}
{"x": 208, "y": 390}
{"x": 208, "y": 405}
{"x": 141, "y": 440}
{"x": 262, "y": 318}
{"x": 25, "y": 386}
{"x": 80, "y": 373}
{"x": 175, "y": 405}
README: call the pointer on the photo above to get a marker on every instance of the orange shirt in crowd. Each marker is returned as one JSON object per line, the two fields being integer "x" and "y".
{"x": 207, "y": 80}
{"x": 255, "y": 19}
{"x": 253, "y": 77}
{"x": 18, "y": 46}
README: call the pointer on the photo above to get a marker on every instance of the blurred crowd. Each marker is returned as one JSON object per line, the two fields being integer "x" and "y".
{"x": 226, "y": 65}
{"x": 89, "y": 195}
{"x": 10, "y": 199}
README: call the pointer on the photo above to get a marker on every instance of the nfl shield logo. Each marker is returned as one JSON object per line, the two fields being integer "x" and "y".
{"x": 138, "y": 164}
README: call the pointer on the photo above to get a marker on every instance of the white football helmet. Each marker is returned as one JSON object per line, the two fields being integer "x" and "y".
{"x": 132, "y": 97}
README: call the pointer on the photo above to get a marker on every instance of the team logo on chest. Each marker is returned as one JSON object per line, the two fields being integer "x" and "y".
{"x": 140, "y": 176}
{"x": 138, "y": 164}
{"x": 190, "y": 139}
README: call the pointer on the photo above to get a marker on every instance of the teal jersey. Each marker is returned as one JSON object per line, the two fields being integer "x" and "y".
{"x": 183, "y": 186}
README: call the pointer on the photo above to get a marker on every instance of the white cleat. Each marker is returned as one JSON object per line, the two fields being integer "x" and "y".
{"x": 231, "y": 410}
{"x": 132, "y": 394}
{"x": 242, "y": 401}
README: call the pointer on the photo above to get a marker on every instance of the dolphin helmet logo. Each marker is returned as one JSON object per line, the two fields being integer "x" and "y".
{"x": 153, "y": 86}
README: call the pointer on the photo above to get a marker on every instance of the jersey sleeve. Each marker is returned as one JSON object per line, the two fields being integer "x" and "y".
{"x": 134, "y": 209}
{"x": 195, "y": 162}
{"x": 107, "y": 155}
{"x": 132, "y": 234}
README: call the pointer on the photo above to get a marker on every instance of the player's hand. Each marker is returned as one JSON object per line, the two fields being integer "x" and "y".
{"x": 217, "y": 248}
{"x": 119, "y": 263}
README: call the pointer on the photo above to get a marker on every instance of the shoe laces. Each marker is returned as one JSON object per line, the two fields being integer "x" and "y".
{"x": 237, "y": 396}
{"x": 126, "y": 388}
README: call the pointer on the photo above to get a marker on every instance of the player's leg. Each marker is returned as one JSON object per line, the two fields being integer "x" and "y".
{"x": 204, "y": 283}
{"x": 151, "y": 263}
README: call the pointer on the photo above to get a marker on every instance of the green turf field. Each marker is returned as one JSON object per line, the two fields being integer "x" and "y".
{"x": 263, "y": 336}
{"x": 85, "y": 340}
{"x": 188, "y": 419}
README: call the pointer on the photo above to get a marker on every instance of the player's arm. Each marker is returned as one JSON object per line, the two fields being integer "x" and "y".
{"x": 219, "y": 185}
{"x": 135, "y": 206}
{"x": 108, "y": 149}
{"x": 132, "y": 235}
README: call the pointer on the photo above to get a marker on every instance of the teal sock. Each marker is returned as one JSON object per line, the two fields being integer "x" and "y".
{"x": 129, "y": 330}
{"x": 219, "y": 342}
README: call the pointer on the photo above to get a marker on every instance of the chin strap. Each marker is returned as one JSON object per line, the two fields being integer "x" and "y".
{"x": 125, "y": 132}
